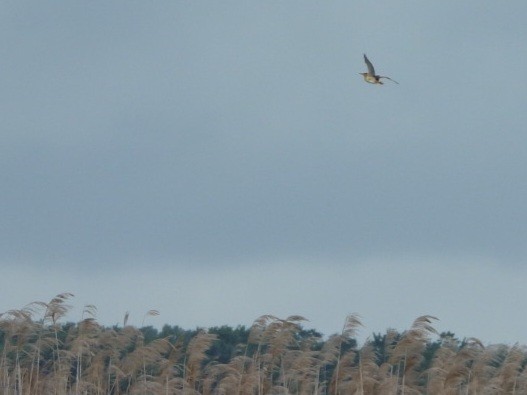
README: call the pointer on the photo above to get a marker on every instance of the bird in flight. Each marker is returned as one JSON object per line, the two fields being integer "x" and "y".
{"x": 370, "y": 76}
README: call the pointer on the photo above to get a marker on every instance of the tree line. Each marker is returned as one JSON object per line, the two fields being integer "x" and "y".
{"x": 40, "y": 354}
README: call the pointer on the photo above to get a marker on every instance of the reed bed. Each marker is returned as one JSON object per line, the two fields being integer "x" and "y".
{"x": 41, "y": 354}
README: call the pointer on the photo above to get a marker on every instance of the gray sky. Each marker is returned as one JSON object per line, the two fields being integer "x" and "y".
{"x": 222, "y": 160}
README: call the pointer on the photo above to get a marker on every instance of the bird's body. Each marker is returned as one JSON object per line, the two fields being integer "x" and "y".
{"x": 370, "y": 76}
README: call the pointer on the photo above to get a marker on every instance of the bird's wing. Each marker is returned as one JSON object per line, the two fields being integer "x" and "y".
{"x": 388, "y": 78}
{"x": 371, "y": 70}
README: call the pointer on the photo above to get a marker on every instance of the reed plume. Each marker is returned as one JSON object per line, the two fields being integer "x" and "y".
{"x": 40, "y": 354}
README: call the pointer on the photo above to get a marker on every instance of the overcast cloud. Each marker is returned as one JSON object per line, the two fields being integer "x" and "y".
{"x": 222, "y": 160}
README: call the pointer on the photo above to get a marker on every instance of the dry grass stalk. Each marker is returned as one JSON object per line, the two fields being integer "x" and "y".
{"x": 47, "y": 357}
{"x": 196, "y": 357}
{"x": 333, "y": 353}
{"x": 407, "y": 354}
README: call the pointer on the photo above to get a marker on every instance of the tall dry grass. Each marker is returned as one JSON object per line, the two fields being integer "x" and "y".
{"x": 41, "y": 354}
